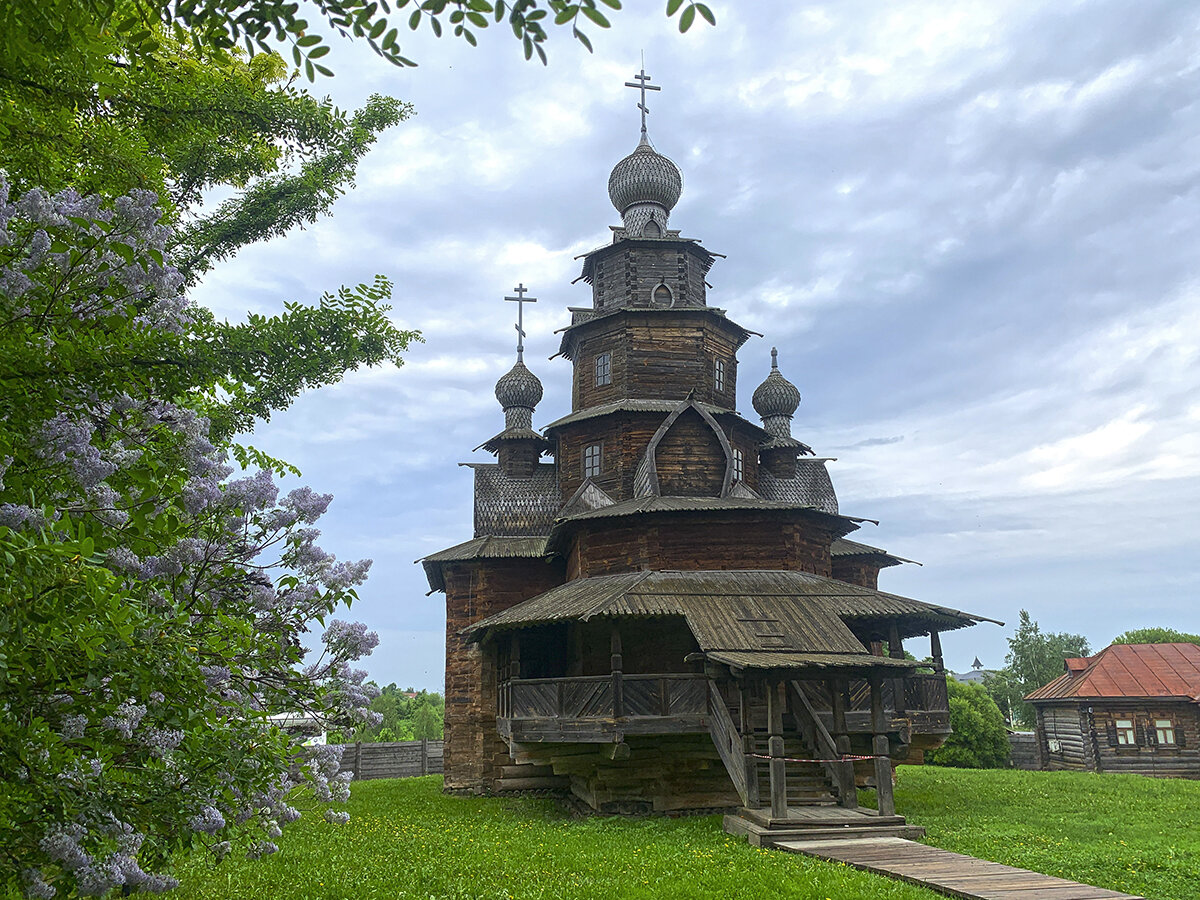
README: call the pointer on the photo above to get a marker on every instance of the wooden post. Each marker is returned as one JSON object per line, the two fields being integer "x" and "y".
{"x": 935, "y": 650}
{"x": 424, "y": 756}
{"x": 776, "y": 700}
{"x": 879, "y": 747}
{"x": 618, "y": 686}
{"x": 841, "y": 739}
{"x": 746, "y": 731}
{"x": 896, "y": 651}
{"x": 357, "y": 760}
{"x": 514, "y": 657}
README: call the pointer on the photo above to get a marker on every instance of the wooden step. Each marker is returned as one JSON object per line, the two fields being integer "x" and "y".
{"x": 758, "y": 836}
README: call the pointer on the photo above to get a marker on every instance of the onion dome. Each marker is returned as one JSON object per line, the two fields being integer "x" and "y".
{"x": 518, "y": 391}
{"x": 776, "y": 400}
{"x": 644, "y": 187}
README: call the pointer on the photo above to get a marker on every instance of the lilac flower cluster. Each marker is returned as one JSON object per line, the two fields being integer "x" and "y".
{"x": 208, "y": 821}
{"x": 125, "y": 719}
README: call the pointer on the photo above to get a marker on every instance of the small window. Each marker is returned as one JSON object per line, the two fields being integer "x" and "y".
{"x": 603, "y": 369}
{"x": 1164, "y": 731}
{"x": 738, "y": 466}
{"x": 1125, "y": 734}
{"x": 719, "y": 376}
{"x": 591, "y": 461}
{"x": 662, "y": 294}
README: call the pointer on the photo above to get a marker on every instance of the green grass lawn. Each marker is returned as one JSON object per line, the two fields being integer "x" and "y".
{"x": 1124, "y": 832}
{"x": 408, "y": 840}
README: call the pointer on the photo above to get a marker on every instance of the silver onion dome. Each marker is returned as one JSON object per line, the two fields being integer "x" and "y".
{"x": 776, "y": 399}
{"x": 519, "y": 392}
{"x": 644, "y": 187}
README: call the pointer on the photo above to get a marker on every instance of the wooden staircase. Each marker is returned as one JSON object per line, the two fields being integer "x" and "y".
{"x": 785, "y": 765}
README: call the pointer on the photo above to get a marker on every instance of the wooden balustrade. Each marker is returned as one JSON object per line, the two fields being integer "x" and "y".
{"x": 593, "y": 697}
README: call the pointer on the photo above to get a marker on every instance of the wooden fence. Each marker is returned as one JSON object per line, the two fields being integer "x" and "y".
{"x": 392, "y": 759}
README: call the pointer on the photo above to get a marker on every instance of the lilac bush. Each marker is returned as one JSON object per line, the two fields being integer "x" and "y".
{"x": 156, "y": 605}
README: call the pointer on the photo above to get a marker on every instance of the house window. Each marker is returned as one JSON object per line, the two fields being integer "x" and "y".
{"x": 1125, "y": 733}
{"x": 719, "y": 375}
{"x": 591, "y": 461}
{"x": 603, "y": 369}
{"x": 738, "y": 467}
{"x": 662, "y": 294}
{"x": 1164, "y": 731}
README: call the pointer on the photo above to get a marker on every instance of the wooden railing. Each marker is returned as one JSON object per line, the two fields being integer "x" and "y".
{"x": 729, "y": 743}
{"x": 922, "y": 693}
{"x": 604, "y": 697}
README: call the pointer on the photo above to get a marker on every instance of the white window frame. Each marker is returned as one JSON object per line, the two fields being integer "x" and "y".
{"x": 739, "y": 465}
{"x": 1126, "y": 733}
{"x": 603, "y": 369}
{"x": 719, "y": 376}
{"x": 1164, "y": 732}
{"x": 593, "y": 460}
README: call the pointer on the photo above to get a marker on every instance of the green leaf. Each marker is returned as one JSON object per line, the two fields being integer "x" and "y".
{"x": 685, "y": 20}
{"x": 595, "y": 15}
{"x": 673, "y": 6}
{"x": 706, "y": 13}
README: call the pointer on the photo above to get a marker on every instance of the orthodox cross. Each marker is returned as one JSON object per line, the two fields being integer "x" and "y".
{"x": 521, "y": 300}
{"x": 643, "y": 85}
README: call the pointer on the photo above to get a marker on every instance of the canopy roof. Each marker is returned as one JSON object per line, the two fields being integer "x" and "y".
{"x": 748, "y": 610}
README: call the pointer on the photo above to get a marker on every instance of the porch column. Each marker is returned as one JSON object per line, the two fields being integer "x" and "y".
{"x": 616, "y": 662}
{"x": 841, "y": 739}
{"x": 776, "y": 701}
{"x": 746, "y": 729}
{"x": 879, "y": 747}
{"x": 935, "y": 650}
{"x": 896, "y": 651}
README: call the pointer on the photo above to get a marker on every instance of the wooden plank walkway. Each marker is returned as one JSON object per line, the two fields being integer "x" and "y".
{"x": 948, "y": 873}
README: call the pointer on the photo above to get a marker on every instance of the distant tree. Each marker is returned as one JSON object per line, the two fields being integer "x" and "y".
{"x": 1035, "y": 659}
{"x": 980, "y": 740}
{"x": 1156, "y": 636}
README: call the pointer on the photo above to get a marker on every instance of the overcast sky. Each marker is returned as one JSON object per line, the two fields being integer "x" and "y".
{"x": 970, "y": 228}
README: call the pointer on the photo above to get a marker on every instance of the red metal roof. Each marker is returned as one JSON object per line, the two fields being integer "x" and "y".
{"x": 1129, "y": 670}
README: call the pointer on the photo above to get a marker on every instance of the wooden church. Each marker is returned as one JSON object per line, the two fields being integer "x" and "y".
{"x": 660, "y": 609}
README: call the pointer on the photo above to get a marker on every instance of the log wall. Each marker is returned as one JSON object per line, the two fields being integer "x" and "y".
{"x": 1087, "y": 738}
{"x": 474, "y": 590}
{"x": 661, "y": 774}
{"x": 856, "y": 570}
{"x": 659, "y": 358}
{"x": 717, "y": 542}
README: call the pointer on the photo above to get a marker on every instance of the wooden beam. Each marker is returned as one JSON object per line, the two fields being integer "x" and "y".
{"x": 879, "y": 747}
{"x": 776, "y": 701}
{"x": 616, "y": 662}
{"x": 935, "y": 650}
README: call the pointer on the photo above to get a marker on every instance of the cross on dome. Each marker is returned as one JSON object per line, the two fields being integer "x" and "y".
{"x": 642, "y": 85}
{"x": 520, "y": 290}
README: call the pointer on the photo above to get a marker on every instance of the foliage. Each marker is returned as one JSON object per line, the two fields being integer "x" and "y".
{"x": 980, "y": 740}
{"x": 407, "y": 840}
{"x": 153, "y": 608}
{"x": 180, "y": 121}
{"x": 1126, "y": 833}
{"x": 404, "y": 716}
{"x": 1035, "y": 659}
{"x": 1156, "y": 636}
{"x": 29, "y": 27}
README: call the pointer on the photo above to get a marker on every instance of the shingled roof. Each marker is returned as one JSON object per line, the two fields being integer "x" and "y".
{"x": 730, "y": 610}
{"x": 1128, "y": 670}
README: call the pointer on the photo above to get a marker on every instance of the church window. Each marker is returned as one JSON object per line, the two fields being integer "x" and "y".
{"x": 603, "y": 369}
{"x": 738, "y": 465}
{"x": 1125, "y": 734}
{"x": 1164, "y": 731}
{"x": 652, "y": 230}
{"x": 662, "y": 294}
{"x": 591, "y": 460}
{"x": 719, "y": 376}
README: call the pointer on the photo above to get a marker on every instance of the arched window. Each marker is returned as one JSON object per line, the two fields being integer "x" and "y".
{"x": 651, "y": 230}
{"x": 662, "y": 294}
